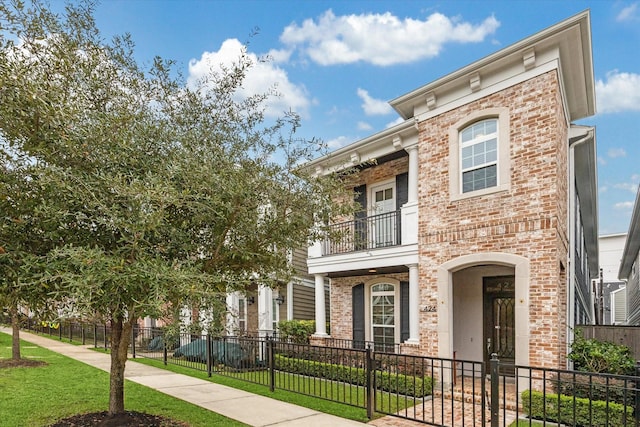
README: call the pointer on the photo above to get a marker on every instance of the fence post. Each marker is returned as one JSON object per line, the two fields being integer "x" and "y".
{"x": 82, "y": 334}
{"x": 60, "y": 331}
{"x": 164, "y": 350}
{"x": 95, "y": 336}
{"x": 133, "y": 341}
{"x": 271, "y": 356}
{"x": 71, "y": 332}
{"x": 370, "y": 392}
{"x": 495, "y": 391}
{"x": 209, "y": 355}
{"x": 104, "y": 329}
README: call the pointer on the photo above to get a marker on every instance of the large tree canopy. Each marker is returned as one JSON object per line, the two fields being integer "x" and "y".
{"x": 139, "y": 192}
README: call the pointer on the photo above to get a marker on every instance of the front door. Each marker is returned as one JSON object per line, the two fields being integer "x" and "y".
{"x": 384, "y": 223}
{"x": 499, "y": 318}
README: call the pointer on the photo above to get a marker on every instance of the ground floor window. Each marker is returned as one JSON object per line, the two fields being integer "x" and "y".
{"x": 242, "y": 315}
{"x": 383, "y": 315}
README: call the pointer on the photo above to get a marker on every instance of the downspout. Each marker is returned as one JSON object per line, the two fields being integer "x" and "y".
{"x": 571, "y": 220}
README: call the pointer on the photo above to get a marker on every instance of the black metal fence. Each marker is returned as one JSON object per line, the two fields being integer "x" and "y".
{"x": 434, "y": 391}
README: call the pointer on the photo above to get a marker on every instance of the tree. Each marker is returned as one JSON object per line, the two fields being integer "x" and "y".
{"x": 152, "y": 194}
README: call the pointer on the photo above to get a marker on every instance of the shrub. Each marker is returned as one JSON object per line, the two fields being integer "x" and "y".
{"x": 297, "y": 331}
{"x": 575, "y": 411}
{"x": 591, "y": 355}
{"x": 597, "y": 387}
{"x": 393, "y": 383}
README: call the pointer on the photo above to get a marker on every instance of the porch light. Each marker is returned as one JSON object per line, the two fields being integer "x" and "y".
{"x": 280, "y": 299}
{"x": 250, "y": 300}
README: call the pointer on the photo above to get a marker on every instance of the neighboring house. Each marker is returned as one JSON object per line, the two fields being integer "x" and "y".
{"x": 631, "y": 264}
{"x": 614, "y": 302}
{"x": 478, "y": 232}
{"x": 257, "y": 311}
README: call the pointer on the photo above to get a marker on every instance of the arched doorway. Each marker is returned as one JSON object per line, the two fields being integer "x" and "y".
{"x": 486, "y": 310}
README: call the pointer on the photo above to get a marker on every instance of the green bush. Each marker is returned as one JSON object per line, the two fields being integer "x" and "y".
{"x": 297, "y": 331}
{"x": 596, "y": 387}
{"x": 591, "y": 355}
{"x": 576, "y": 411}
{"x": 393, "y": 383}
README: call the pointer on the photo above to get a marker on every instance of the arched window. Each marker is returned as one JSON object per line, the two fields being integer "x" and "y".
{"x": 479, "y": 155}
{"x": 383, "y": 316}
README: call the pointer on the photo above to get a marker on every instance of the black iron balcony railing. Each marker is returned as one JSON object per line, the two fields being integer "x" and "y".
{"x": 371, "y": 232}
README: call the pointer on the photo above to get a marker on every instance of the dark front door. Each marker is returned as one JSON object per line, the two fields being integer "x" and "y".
{"x": 499, "y": 318}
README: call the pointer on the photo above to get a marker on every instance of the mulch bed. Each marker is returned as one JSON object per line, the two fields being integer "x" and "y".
{"x": 128, "y": 419}
{"x": 21, "y": 363}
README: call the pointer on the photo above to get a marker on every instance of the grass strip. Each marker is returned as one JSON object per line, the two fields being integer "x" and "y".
{"x": 33, "y": 397}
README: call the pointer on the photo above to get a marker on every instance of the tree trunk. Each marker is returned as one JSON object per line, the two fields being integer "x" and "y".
{"x": 15, "y": 326}
{"x": 120, "y": 339}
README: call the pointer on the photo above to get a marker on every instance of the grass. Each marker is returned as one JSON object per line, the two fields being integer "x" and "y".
{"x": 312, "y": 388}
{"x": 311, "y": 402}
{"x": 39, "y": 396}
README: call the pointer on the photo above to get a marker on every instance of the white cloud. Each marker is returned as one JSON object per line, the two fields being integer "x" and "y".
{"x": 601, "y": 160}
{"x": 623, "y": 206}
{"x": 364, "y": 126}
{"x": 259, "y": 78}
{"x": 372, "y": 106}
{"x": 603, "y": 189}
{"x": 616, "y": 152}
{"x": 620, "y": 92}
{"x": 631, "y": 185}
{"x": 381, "y": 39}
{"x": 628, "y": 13}
{"x": 394, "y": 123}
{"x": 279, "y": 55}
{"x": 338, "y": 142}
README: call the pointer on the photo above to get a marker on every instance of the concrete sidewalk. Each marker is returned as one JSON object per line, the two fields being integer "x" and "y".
{"x": 239, "y": 405}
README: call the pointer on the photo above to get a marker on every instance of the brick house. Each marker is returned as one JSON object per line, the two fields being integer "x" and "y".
{"x": 478, "y": 232}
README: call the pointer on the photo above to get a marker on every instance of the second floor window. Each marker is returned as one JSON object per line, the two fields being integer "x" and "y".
{"x": 479, "y": 155}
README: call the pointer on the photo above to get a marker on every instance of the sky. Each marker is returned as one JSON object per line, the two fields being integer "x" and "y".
{"x": 338, "y": 63}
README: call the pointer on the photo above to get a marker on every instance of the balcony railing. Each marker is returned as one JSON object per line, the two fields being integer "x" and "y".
{"x": 371, "y": 232}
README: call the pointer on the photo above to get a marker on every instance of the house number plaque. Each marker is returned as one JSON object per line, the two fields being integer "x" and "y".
{"x": 429, "y": 309}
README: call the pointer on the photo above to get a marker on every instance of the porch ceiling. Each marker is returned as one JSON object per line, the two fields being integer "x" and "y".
{"x": 364, "y": 272}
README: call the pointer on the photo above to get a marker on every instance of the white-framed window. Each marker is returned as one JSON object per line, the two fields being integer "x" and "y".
{"x": 275, "y": 314}
{"x": 479, "y": 155}
{"x": 479, "y": 160}
{"x": 242, "y": 315}
{"x": 383, "y": 318}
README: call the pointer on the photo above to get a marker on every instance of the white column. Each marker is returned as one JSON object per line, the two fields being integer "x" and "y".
{"x": 321, "y": 319}
{"x": 290, "y": 300}
{"x": 414, "y": 305}
{"x": 265, "y": 296}
{"x": 413, "y": 173}
{"x": 232, "y": 313}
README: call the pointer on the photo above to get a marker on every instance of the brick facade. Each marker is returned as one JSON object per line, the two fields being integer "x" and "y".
{"x": 529, "y": 219}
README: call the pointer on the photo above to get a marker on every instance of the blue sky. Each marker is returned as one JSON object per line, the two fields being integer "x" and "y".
{"x": 338, "y": 63}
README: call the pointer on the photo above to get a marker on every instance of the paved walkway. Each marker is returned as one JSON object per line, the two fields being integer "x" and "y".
{"x": 239, "y": 405}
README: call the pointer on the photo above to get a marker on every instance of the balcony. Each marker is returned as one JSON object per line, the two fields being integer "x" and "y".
{"x": 366, "y": 233}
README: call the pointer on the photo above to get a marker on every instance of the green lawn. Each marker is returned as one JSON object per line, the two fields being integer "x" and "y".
{"x": 311, "y": 402}
{"x": 32, "y": 397}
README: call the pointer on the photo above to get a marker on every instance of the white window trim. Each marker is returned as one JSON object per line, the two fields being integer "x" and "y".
{"x": 504, "y": 157}
{"x": 368, "y": 327}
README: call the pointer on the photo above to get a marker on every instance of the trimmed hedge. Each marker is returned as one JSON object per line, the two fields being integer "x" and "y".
{"x": 393, "y": 383}
{"x": 563, "y": 409}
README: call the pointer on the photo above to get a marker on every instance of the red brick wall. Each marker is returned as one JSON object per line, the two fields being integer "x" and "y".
{"x": 341, "y": 326}
{"x": 528, "y": 220}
